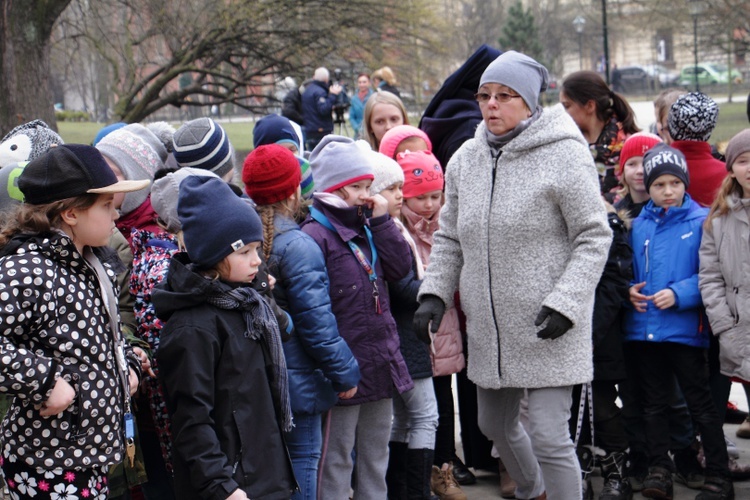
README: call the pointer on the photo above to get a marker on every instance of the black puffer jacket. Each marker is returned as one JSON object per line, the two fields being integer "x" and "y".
{"x": 403, "y": 294}
{"x": 225, "y": 428}
{"x": 611, "y": 295}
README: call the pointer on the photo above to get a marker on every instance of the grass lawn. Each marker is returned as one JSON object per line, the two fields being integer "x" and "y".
{"x": 732, "y": 119}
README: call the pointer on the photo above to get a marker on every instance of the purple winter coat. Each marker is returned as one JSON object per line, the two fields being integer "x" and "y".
{"x": 372, "y": 337}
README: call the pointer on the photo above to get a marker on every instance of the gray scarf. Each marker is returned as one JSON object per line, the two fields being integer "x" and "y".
{"x": 498, "y": 141}
{"x": 261, "y": 325}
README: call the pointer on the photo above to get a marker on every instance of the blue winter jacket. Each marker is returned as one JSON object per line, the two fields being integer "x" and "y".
{"x": 319, "y": 362}
{"x": 317, "y": 105}
{"x": 665, "y": 255}
{"x": 357, "y": 111}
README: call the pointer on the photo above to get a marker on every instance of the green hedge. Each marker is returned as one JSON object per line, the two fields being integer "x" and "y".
{"x": 72, "y": 116}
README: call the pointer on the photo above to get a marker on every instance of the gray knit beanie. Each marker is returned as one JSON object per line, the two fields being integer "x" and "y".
{"x": 337, "y": 161}
{"x": 165, "y": 192}
{"x": 520, "y": 73}
{"x": 138, "y": 151}
{"x": 739, "y": 144}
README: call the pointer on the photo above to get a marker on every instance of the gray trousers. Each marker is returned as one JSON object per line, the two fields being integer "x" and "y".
{"x": 543, "y": 456}
{"x": 366, "y": 429}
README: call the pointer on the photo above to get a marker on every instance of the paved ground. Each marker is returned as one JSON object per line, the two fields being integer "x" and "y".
{"x": 487, "y": 483}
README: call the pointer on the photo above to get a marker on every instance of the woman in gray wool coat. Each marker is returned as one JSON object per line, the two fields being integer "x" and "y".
{"x": 524, "y": 237}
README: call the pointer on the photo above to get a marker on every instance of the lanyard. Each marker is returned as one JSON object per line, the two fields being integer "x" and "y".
{"x": 358, "y": 254}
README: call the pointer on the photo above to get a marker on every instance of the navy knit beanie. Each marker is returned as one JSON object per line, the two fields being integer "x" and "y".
{"x": 215, "y": 221}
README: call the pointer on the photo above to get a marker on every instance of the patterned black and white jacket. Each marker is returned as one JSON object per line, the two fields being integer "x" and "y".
{"x": 53, "y": 324}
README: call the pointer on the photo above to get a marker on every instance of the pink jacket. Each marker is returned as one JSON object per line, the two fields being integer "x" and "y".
{"x": 447, "y": 350}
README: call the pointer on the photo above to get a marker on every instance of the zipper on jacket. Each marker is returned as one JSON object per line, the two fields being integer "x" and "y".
{"x": 489, "y": 264}
{"x": 736, "y": 309}
{"x": 645, "y": 251}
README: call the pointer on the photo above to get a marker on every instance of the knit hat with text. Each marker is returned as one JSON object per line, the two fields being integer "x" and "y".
{"x": 662, "y": 160}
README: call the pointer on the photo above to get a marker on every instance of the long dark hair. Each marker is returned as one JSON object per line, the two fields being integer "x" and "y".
{"x": 584, "y": 86}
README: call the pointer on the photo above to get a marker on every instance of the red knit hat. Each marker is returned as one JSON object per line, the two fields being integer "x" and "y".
{"x": 271, "y": 173}
{"x": 636, "y": 145}
{"x": 422, "y": 173}
{"x": 395, "y": 136}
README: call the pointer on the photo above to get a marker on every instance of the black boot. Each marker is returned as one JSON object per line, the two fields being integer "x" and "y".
{"x": 419, "y": 473}
{"x": 586, "y": 460}
{"x": 616, "y": 485}
{"x": 461, "y": 473}
{"x": 716, "y": 488}
{"x": 395, "y": 476}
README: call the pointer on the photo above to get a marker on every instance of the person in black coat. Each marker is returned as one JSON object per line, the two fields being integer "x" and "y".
{"x": 609, "y": 369}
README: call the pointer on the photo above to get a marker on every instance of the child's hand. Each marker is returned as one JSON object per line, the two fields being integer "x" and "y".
{"x": 664, "y": 299}
{"x": 145, "y": 362}
{"x": 61, "y": 397}
{"x": 238, "y": 494}
{"x": 637, "y": 298}
{"x": 348, "y": 394}
{"x": 378, "y": 204}
{"x": 271, "y": 282}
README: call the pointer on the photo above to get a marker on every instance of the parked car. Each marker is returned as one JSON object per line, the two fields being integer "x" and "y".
{"x": 708, "y": 74}
{"x": 661, "y": 74}
{"x": 631, "y": 79}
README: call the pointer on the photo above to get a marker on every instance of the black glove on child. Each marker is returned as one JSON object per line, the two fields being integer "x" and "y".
{"x": 557, "y": 324}
{"x": 432, "y": 309}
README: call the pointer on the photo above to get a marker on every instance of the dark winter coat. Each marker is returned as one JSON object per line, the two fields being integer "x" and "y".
{"x": 612, "y": 294}
{"x": 403, "y": 294}
{"x": 291, "y": 106}
{"x": 371, "y": 336}
{"x": 319, "y": 362}
{"x": 317, "y": 105}
{"x": 226, "y": 430}
{"x": 53, "y": 323}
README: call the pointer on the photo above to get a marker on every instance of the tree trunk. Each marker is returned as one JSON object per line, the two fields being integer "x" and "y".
{"x": 25, "y": 30}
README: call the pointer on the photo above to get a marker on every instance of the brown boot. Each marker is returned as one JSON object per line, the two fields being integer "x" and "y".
{"x": 444, "y": 485}
{"x": 507, "y": 485}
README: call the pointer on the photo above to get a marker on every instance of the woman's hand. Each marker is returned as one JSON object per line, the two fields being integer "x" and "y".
{"x": 238, "y": 494}
{"x": 639, "y": 300}
{"x": 378, "y": 204}
{"x": 60, "y": 398}
{"x": 664, "y": 299}
{"x": 348, "y": 394}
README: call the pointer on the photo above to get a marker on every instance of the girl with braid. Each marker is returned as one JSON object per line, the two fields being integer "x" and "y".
{"x": 320, "y": 364}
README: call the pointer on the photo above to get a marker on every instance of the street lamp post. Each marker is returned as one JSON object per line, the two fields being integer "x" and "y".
{"x": 580, "y": 23}
{"x": 696, "y": 8}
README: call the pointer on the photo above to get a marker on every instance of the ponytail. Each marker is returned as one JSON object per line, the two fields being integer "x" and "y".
{"x": 624, "y": 114}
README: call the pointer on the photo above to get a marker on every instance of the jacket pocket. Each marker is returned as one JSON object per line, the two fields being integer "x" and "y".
{"x": 732, "y": 296}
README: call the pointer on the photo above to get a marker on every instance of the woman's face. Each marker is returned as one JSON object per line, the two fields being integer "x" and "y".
{"x": 502, "y": 117}
{"x": 383, "y": 118}
{"x": 580, "y": 114}
{"x": 363, "y": 83}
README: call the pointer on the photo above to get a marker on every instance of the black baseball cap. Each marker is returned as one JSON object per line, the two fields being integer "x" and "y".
{"x": 71, "y": 170}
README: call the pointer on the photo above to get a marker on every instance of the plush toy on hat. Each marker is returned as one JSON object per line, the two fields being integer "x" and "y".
{"x": 27, "y": 142}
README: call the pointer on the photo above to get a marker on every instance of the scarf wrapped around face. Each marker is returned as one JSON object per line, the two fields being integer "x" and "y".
{"x": 261, "y": 325}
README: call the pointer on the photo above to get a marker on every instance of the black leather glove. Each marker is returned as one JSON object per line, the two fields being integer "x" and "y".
{"x": 431, "y": 308}
{"x": 557, "y": 324}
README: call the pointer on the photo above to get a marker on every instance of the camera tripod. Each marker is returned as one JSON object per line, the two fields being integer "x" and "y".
{"x": 343, "y": 128}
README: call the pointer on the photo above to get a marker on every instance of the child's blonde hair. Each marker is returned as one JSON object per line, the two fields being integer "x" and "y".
{"x": 381, "y": 97}
{"x": 289, "y": 207}
{"x": 40, "y": 219}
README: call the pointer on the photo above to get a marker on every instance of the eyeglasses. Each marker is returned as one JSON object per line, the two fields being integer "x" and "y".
{"x": 484, "y": 97}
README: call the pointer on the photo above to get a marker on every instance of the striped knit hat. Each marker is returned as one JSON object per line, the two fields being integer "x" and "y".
{"x": 203, "y": 143}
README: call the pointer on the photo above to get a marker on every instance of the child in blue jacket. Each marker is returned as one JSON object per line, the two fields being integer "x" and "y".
{"x": 667, "y": 324}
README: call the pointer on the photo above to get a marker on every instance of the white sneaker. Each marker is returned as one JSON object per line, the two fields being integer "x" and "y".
{"x": 732, "y": 450}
